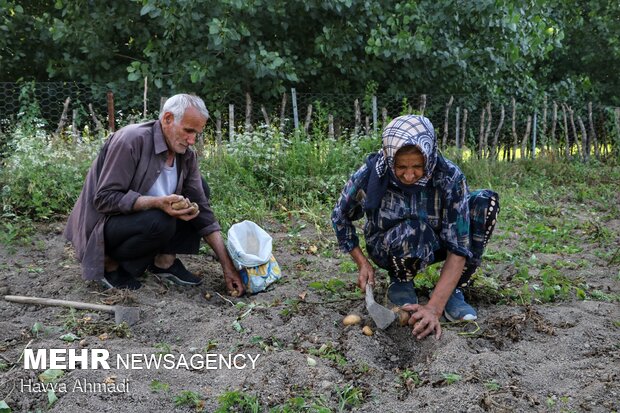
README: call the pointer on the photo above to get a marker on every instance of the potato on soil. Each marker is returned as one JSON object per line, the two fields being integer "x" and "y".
{"x": 367, "y": 331}
{"x": 351, "y": 320}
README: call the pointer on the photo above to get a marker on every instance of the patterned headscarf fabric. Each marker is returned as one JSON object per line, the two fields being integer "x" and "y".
{"x": 402, "y": 131}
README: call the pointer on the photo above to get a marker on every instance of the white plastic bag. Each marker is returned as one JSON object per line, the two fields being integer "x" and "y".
{"x": 248, "y": 245}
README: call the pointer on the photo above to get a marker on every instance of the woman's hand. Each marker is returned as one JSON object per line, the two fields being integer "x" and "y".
{"x": 424, "y": 320}
{"x": 366, "y": 275}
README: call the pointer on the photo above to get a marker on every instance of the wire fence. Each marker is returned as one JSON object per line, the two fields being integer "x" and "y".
{"x": 567, "y": 129}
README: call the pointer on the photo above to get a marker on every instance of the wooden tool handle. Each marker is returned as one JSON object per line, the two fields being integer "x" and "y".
{"x": 60, "y": 303}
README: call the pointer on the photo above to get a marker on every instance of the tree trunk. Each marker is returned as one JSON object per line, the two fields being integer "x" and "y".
{"x": 308, "y": 119}
{"x": 248, "y": 112}
{"x": 593, "y": 132}
{"x": 524, "y": 141}
{"x": 63, "y": 117}
{"x": 384, "y": 117}
{"x": 358, "y": 117}
{"x": 444, "y": 141}
{"x": 218, "y": 131}
{"x": 515, "y": 137}
{"x": 96, "y": 121}
{"x": 231, "y": 123}
{"x": 265, "y": 115}
{"x": 495, "y": 149}
{"x": 487, "y": 132}
{"x": 330, "y": 126}
{"x": 571, "y": 114}
{"x": 585, "y": 153}
{"x": 464, "y": 129}
{"x": 481, "y": 134}
{"x": 554, "y": 120}
{"x": 422, "y": 105}
{"x": 566, "y": 137}
{"x": 282, "y": 112}
{"x": 543, "y": 131}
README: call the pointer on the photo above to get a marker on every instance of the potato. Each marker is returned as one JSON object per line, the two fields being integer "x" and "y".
{"x": 182, "y": 204}
{"x": 403, "y": 317}
{"x": 351, "y": 320}
{"x": 367, "y": 331}
{"x": 233, "y": 293}
{"x": 195, "y": 207}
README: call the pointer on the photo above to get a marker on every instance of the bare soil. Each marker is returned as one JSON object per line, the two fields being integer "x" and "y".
{"x": 543, "y": 357}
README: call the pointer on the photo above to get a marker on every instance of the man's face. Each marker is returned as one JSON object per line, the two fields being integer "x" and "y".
{"x": 180, "y": 135}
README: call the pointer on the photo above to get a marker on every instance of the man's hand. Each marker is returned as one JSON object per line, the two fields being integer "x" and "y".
{"x": 424, "y": 320}
{"x": 179, "y": 207}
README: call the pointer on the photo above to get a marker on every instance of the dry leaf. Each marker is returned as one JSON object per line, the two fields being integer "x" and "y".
{"x": 110, "y": 380}
{"x": 302, "y": 296}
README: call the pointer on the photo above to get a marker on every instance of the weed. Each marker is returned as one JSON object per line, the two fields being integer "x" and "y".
{"x": 492, "y": 385}
{"x": 163, "y": 348}
{"x": 189, "y": 398}
{"x": 337, "y": 289}
{"x": 347, "y": 267}
{"x": 236, "y": 401}
{"x": 410, "y": 378}
{"x": 157, "y": 386}
{"x": 328, "y": 352}
{"x": 211, "y": 344}
{"x": 349, "y": 397}
{"x": 451, "y": 378}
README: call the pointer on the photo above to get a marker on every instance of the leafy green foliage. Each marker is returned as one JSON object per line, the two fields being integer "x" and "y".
{"x": 189, "y": 398}
{"x": 236, "y": 401}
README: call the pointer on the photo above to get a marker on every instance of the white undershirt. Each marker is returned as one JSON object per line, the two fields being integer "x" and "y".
{"x": 166, "y": 183}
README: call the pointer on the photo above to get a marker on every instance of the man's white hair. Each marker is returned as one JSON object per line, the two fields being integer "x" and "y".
{"x": 178, "y": 104}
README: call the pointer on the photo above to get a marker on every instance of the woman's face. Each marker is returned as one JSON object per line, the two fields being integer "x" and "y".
{"x": 409, "y": 167}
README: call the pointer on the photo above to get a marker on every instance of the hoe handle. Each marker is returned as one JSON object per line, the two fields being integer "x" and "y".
{"x": 60, "y": 303}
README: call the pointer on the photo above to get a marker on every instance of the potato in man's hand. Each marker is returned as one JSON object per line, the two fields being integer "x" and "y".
{"x": 182, "y": 204}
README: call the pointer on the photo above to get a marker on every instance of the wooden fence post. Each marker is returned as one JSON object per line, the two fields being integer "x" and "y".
{"x": 111, "y": 121}
{"x": 295, "y": 114}
{"x": 330, "y": 126}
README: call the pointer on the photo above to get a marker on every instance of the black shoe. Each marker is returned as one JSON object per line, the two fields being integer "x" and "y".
{"x": 177, "y": 273}
{"x": 120, "y": 279}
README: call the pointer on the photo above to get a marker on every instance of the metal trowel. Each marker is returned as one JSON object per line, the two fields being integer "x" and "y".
{"x": 381, "y": 315}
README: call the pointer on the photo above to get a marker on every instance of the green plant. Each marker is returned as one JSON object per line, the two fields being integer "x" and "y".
{"x": 410, "y": 378}
{"x": 328, "y": 352}
{"x": 451, "y": 378}
{"x": 163, "y": 348}
{"x": 236, "y": 401}
{"x": 157, "y": 386}
{"x": 189, "y": 398}
{"x": 492, "y": 385}
{"x": 349, "y": 397}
